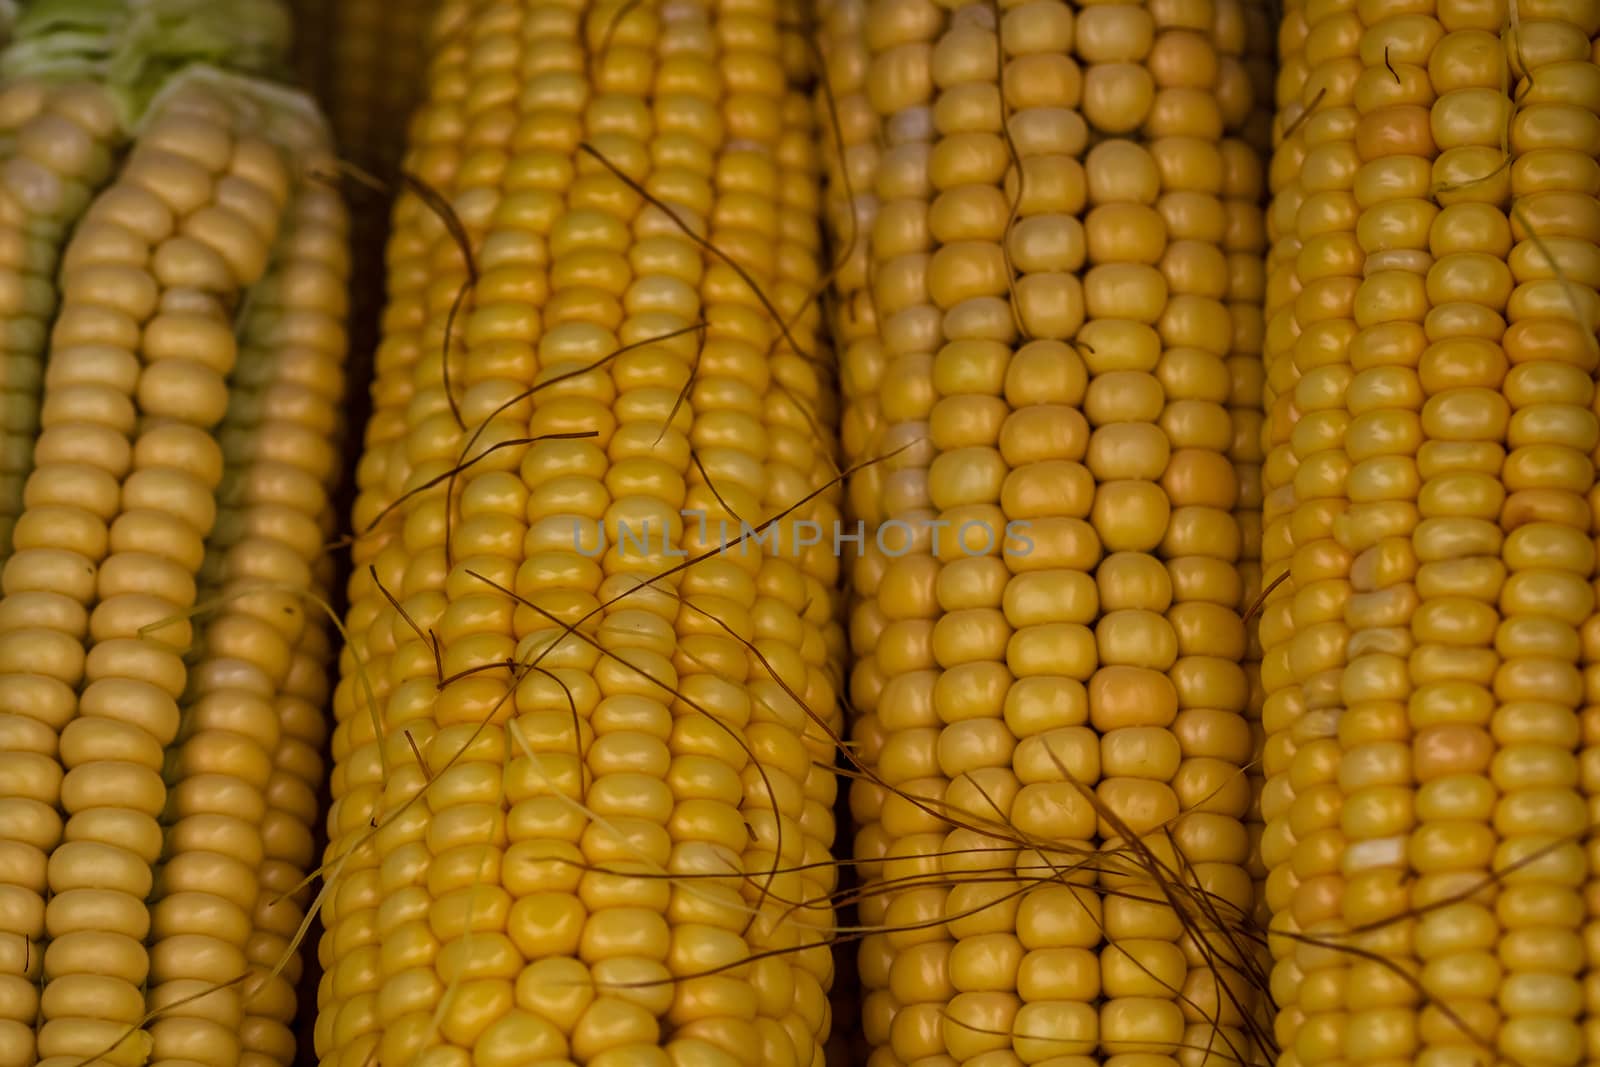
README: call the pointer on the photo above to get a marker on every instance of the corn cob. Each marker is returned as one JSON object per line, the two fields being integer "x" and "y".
{"x": 110, "y": 542}
{"x": 1433, "y": 356}
{"x": 983, "y": 670}
{"x": 211, "y": 840}
{"x": 464, "y": 928}
{"x": 143, "y": 432}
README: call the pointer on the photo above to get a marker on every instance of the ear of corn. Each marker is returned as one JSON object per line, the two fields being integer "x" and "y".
{"x": 608, "y": 845}
{"x": 1055, "y": 316}
{"x": 136, "y": 834}
{"x": 1430, "y": 357}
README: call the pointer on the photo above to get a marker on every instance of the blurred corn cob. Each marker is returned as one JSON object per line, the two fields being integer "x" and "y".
{"x": 366, "y": 60}
{"x": 156, "y": 722}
